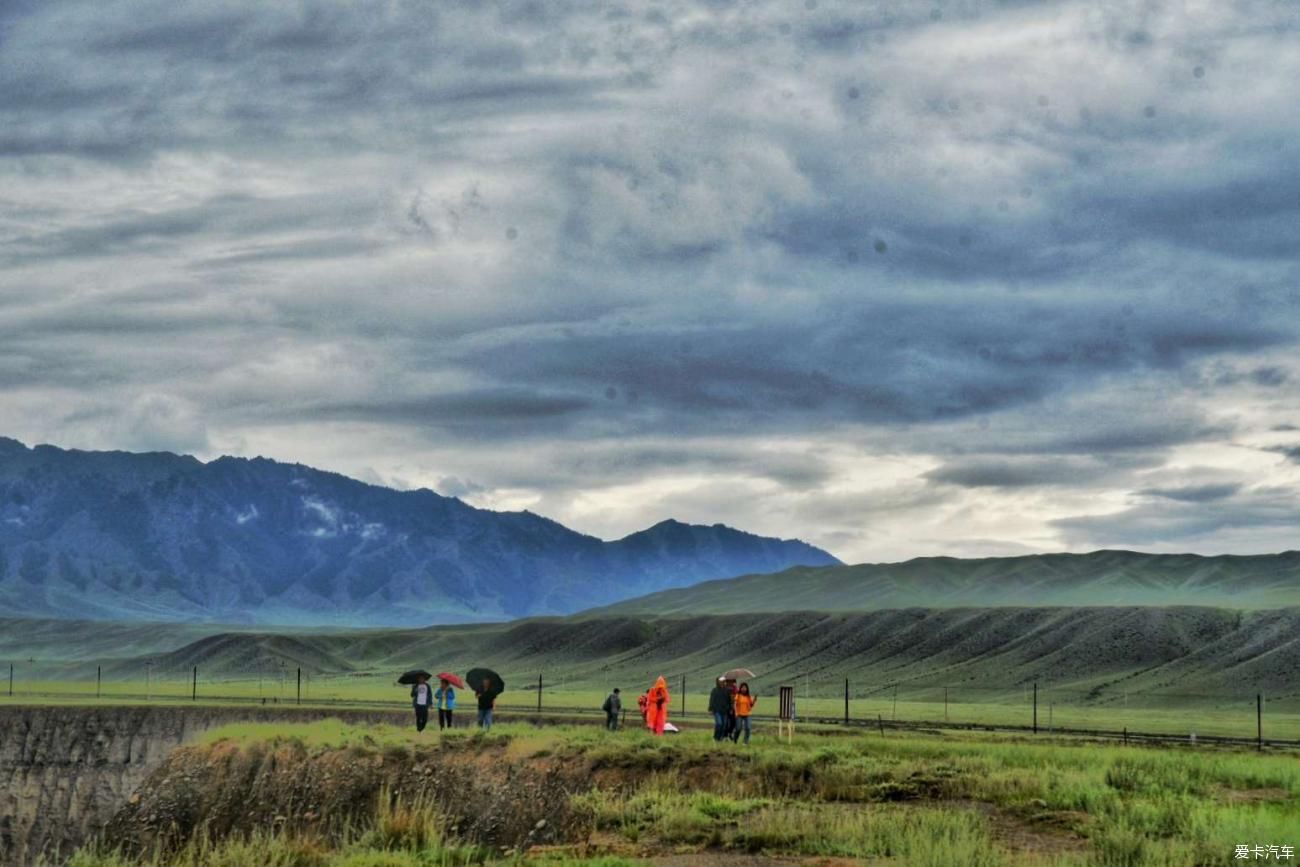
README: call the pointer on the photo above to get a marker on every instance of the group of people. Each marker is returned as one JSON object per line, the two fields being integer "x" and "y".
{"x": 731, "y": 705}
{"x": 444, "y": 699}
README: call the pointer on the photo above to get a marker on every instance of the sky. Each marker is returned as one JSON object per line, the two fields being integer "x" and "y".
{"x": 898, "y": 279}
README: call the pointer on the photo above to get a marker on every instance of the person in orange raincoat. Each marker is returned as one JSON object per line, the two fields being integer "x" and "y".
{"x": 658, "y": 706}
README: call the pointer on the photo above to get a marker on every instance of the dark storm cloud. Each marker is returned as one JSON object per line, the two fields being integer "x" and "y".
{"x": 1035, "y": 472}
{"x": 1173, "y": 521}
{"x": 1041, "y": 246}
{"x": 479, "y": 409}
{"x": 888, "y": 363}
{"x": 1194, "y": 493}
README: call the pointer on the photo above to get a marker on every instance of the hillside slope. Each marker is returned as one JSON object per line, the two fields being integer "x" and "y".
{"x": 1205, "y": 651}
{"x": 119, "y": 536}
{"x": 1098, "y": 578}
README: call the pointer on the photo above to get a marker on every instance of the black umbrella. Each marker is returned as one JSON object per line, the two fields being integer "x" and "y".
{"x": 475, "y": 677}
{"x": 413, "y": 676}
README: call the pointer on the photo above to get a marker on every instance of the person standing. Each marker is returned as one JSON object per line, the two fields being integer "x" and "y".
{"x": 421, "y": 698}
{"x": 744, "y": 707}
{"x": 731, "y": 710}
{"x": 720, "y": 705}
{"x": 486, "y": 701}
{"x": 658, "y": 703}
{"x": 445, "y": 698}
{"x": 613, "y": 706}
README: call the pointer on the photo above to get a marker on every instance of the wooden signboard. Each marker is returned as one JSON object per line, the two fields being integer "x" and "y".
{"x": 785, "y": 719}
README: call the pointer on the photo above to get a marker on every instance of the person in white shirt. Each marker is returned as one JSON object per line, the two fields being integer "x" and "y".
{"x": 422, "y": 698}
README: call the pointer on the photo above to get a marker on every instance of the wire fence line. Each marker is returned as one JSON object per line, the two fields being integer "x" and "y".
{"x": 1246, "y": 718}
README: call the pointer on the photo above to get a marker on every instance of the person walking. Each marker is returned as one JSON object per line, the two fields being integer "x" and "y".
{"x": 486, "y": 701}
{"x": 744, "y": 707}
{"x": 658, "y": 705}
{"x": 720, "y": 705}
{"x": 613, "y": 706}
{"x": 421, "y": 698}
{"x": 445, "y": 698}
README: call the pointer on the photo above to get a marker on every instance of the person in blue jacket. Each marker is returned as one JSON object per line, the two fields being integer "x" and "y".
{"x": 446, "y": 700}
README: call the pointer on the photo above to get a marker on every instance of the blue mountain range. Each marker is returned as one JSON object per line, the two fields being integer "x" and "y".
{"x": 160, "y": 536}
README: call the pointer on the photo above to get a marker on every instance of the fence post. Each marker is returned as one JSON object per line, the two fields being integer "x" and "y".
{"x": 539, "y": 692}
{"x": 895, "y": 713}
{"x": 880, "y": 721}
{"x": 300, "y": 685}
{"x": 683, "y": 695}
{"x": 1259, "y": 721}
{"x": 846, "y": 701}
{"x": 945, "y": 704}
{"x": 194, "y": 685}
{"x": 99, "y": 671}
{"x": 1035, "y": 707}
{"x": 11, "y": 680}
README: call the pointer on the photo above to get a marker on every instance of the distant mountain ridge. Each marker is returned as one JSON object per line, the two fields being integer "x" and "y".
{"x": 1099, "y": 578}
{"x": 165, "y": 537}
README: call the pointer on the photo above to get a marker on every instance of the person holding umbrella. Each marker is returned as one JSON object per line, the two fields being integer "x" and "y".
{"x": 421, "y": 696}
{"x": 487, "y": 685}
{"x": 445, "y": 698}
{"x": 720, "y": 705}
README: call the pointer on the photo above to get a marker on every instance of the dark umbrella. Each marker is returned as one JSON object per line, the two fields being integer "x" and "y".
{"x": 475, "y": 677}
{"x": 413, "y": 676}
{"x": 451, "y": 678}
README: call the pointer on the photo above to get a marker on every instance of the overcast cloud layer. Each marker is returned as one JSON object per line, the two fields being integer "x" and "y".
{"x": 898, "y": 279}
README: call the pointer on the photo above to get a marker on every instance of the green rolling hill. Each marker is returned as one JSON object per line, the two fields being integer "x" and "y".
{"x": 1098, "y": 578}
{"x": 1191, "y": 651}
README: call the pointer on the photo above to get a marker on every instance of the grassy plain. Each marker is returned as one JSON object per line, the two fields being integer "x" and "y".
{"x": 1056, "y": 711}
{"x": 913, "y": 799}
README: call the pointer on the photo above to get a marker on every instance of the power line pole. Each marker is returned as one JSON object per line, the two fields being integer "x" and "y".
{"x": 683, "y": 695}
{"x": 299, "y": 684}
{"x": 1035, "y": 707}
{"x": 1259, "y": 722}
{"x": 99, "y": 671}
{"x": 539, "y": 692}
{"x": 194, "y": 685}
{"x": 846, "y": 701}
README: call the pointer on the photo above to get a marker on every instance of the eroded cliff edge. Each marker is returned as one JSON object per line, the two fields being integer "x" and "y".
{"x": 66, "y": 769}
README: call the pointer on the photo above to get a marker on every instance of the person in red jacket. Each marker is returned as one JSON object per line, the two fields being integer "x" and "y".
{"x": 658, "y": 706}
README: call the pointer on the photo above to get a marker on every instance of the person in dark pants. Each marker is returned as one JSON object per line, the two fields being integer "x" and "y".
{"x": 445, "y": 698}
{"x": 731, "y": 710}
{"x": 421, "y": 698}
{"x": 720, "y": 705}
{"x": 486, "y": 701}
{"x": 613, "y": 706}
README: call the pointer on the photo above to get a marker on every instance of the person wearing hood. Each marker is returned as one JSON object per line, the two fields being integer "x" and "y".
{"x": 658, "y": 706}
{"x": 720, "y": 705}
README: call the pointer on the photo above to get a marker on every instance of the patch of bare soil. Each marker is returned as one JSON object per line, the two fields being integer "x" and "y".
{"x": 1046, "y": 832}
{"x": 1254, "y": 796}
